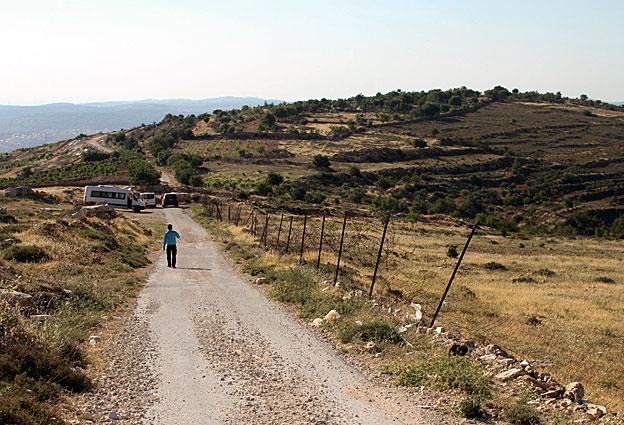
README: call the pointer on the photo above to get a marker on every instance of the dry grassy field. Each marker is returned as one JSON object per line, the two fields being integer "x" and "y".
{"x": 555, "y": 301}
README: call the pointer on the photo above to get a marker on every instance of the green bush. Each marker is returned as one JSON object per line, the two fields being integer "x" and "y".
{"x": 142, "y": 172}
{"x": 196, "y": 181}
{"x": 519, "y": 413}
{"x": 373, "y": 330}
{"x": 321, "y": 162}
{"x": 470, "y": 407}
{"x": 26, "y": 254}
{"x": 446, "y": 372}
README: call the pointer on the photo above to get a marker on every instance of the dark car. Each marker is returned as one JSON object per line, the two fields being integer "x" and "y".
{"x": 169, "y": 200}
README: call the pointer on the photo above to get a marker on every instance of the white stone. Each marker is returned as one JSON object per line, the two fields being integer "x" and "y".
{"x": 509, "y": 374}
{"x": 595, "y": 412}
{"x": 332, "y": 316}
{"x": 317, "y": 322}
{"x": 488, "y": 358}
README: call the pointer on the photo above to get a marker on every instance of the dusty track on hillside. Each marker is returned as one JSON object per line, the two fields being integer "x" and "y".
{"x": 220, "y": 352}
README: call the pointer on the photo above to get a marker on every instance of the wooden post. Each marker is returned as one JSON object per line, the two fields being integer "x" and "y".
{"x": 383, "y": 238}
{"x": 279, "y": 232}
{"x": 318, "y": 260}
{"x": 229, "y": 216}
{"x": 305, "y": 221}
{"x": 461, "y": 257}
{"x": 289, "y": 232}
{"x": 344, "y": 225}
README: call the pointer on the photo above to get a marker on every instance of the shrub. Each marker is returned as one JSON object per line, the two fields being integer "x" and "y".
{"x": 446, "y": 372}
{"x": 274, "y": 179}
{"x": 142, "y": 172}
{"x": 605, "y": 279}
{"x": 451, "y": 252}
{"x": 26, "y": 254}
{"x": 374, "y": 330}
{"x": 470, "y": 407}
{"x": 320, "y": 162}
{"x": 94, "y": 155}
{"x": 196, "y": 181}
{"x": 493, "y": 265}
{"x": 521, "y": 414}
{"x": 419, "y": 143}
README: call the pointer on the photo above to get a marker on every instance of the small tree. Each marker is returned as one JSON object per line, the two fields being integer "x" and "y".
{"x": 320, "y": 162}
{"x": 268, "y": 121}
{"x": 274, "y": 179}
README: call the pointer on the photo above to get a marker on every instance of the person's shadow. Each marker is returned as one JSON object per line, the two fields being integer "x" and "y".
{"x": 192, "y": 268}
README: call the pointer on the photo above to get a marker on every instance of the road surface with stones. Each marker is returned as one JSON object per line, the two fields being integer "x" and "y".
{"x": 205, "y": 346}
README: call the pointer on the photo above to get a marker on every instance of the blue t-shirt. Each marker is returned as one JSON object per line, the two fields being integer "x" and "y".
{"x": 170, "y": 237}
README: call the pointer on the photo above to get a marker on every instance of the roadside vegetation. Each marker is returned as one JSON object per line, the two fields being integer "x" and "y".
{"x": 552, "y": 300}
{"x": 59, "y": 275}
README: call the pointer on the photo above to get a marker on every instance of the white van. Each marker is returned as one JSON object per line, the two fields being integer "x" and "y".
{"x": 113, "y": 196}
{"x": 149, "y": 198}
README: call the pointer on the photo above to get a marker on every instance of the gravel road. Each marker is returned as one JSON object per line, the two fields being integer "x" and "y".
{"x": 217, "y": 351}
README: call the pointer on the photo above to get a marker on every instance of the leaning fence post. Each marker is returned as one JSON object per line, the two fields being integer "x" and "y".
{"x": 289, "y": 232}
{"x": 305, "y": 221}
{"x": 461, "y": 257}
{"x": 318, "y": 260}
{"x": 229, "y": 216}
{"x": 344, "y": 225}
{"x": 279, "y": 232}
{"x": 383, "y": 238}
{"x": 249, "y": 217}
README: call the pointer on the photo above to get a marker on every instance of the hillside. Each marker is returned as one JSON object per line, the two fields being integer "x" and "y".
{"x": 542, "y": 173}
{"x": 26, "y": 126}
{"x": 517, "y": 160}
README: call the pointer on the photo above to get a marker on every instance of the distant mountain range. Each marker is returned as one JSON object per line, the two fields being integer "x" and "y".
{"x": 26, "y": 126}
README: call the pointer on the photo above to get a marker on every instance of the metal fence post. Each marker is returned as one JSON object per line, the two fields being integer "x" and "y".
{"x": 383, "y": 238}
{"x": 279, "y": 232}
{"x": 305, "y": 221}
{"x": 266, "y": 230}
{"x": 219, "y": 217}
{"x": 249, "y": 217}
{"x": 318, "y": 260}
{"x": 238, "y": 213}
{"x": 461, "y": 257}
{"x": 344, "y": 225}
{"x": 289, "y": 232}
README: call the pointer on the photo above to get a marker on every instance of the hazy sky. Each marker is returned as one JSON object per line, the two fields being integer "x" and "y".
{"x": 93, "y": 50}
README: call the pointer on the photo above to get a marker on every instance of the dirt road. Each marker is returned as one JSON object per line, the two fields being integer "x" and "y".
{"x": 220, "y": 352}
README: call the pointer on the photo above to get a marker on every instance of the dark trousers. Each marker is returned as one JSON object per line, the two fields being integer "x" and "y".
{"x": 172, "y": 251}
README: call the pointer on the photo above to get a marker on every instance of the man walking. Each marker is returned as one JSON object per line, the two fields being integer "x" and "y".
{"x": 169, "y": 243}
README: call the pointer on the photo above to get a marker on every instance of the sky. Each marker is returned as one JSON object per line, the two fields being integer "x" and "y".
{"x": 99, "y": 50}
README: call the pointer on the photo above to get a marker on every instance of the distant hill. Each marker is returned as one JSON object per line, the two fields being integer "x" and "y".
{"x": 26, "y": 126}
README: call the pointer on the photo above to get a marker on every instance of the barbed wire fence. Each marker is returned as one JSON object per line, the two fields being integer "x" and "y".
{"x": 372, "y": 253}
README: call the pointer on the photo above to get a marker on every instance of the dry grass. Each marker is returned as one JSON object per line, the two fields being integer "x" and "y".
{"x": 92, "y": 268}
{"x": 554, "y": 301}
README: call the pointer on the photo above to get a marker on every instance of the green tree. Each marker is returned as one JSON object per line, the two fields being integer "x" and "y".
{"x": 320, "y": 162}
{"x": 142, "y": 173}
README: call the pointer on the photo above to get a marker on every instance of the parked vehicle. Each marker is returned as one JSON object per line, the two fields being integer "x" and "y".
{"x": 149, "y": 198}
{"x": 169, "y": 199}
{"x": 113, "y": 196}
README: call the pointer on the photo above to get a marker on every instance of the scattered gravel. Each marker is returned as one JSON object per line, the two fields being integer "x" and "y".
{"x": 205, "y": 346}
